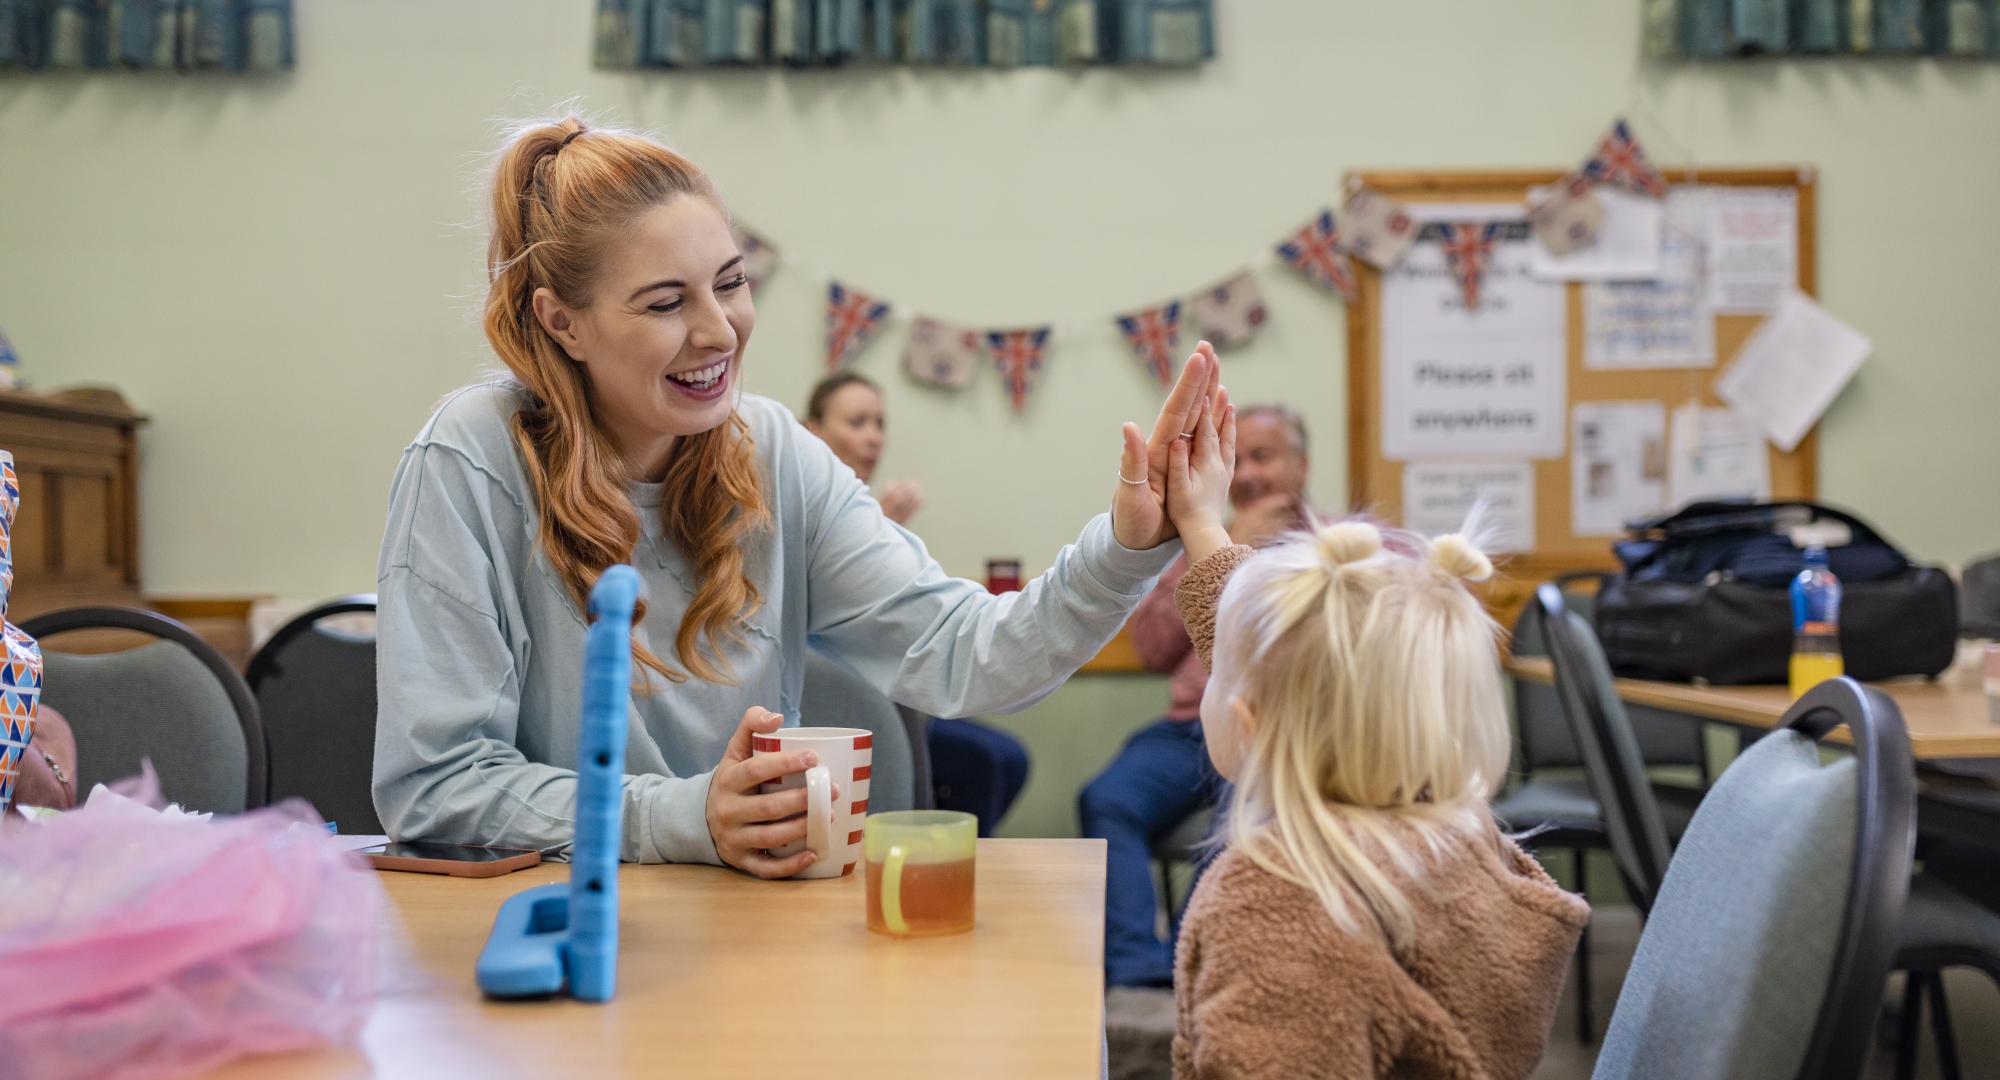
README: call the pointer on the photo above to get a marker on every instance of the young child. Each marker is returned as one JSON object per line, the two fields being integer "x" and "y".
{"x": 1367, "y": 918}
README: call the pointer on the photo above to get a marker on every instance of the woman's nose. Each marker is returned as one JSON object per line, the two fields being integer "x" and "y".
{"x": 708, "y": 327}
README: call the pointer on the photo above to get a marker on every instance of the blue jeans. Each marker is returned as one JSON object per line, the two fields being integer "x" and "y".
{"x": 976, "y": 768}
{"x": 1162, "y": 776}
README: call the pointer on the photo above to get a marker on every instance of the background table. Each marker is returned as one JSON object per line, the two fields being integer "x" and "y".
{"x": 1946, "y": 719}
{"x": 724, "y": 975}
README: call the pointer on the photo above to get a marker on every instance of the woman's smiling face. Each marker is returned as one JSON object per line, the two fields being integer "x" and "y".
{"x": 661, "y": 342}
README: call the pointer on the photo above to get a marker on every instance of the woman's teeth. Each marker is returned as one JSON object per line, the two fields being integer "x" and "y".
{"x": 702, "y": 379}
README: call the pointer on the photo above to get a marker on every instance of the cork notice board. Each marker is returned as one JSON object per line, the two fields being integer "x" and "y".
{"x": 1376, "y": 480}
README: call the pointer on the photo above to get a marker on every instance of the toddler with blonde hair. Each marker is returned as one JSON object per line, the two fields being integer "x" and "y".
{"x": 1368, "y": 917}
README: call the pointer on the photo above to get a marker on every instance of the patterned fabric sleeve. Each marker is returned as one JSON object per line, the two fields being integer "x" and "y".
{"x": 1201, "y": 590}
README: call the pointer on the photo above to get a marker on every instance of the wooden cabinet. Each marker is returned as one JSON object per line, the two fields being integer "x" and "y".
{"x": 76, "y": 539}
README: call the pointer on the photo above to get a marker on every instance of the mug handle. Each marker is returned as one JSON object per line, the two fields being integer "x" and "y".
{"x": 819, "y": 813}
{"x": 892, "y": 890}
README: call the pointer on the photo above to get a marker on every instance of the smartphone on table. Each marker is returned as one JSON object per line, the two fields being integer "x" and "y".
{"x": 458, "y": 860}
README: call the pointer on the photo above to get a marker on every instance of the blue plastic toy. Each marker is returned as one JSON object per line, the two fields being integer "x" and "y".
{"x": 553, "y": 938}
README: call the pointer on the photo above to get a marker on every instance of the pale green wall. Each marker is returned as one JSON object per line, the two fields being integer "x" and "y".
{"x": 284, "y": 272}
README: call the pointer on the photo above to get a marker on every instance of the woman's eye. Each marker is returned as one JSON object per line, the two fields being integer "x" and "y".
{"x": 667, "y": 308}
{"x": 736, "y": 282}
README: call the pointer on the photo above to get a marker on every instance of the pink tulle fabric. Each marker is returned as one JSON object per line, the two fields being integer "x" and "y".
{"x": 140, "y": 944}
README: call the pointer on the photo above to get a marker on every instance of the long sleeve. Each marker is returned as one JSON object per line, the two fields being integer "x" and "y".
{"x": 1200, "y": 592}
{"x": 448, "y": 764}
{"x": 1158, "y": 634}
{"x": 881, "y": 605}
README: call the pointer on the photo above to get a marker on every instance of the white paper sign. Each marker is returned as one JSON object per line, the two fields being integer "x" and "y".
{"x": 1618, "y": 465}
{"x": 1663, "y": 323}
{"x": 1471, "y": 382}
{"x": 1714, "y": 454}
{"x": 1627, "y": 247}
{"x": 1753, "y": 247}
{"x": 1791, "y": 368}
{"x": 1437, "y": 496}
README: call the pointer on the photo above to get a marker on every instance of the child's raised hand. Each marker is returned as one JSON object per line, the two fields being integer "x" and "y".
{"x": 1199, "y": 469}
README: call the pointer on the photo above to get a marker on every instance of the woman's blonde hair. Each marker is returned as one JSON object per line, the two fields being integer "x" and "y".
{"x": 562, "y": 192}
{"x": 1379, "y": 726}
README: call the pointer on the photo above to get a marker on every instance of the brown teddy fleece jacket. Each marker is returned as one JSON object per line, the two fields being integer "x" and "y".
{"x": 1267, "y": 986}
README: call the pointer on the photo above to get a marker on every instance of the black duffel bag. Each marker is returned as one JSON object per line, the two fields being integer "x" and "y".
{"x": 1706, "y": 594}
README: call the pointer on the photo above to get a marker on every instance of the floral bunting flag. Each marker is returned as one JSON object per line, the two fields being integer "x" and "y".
{"x": 1314, "y": 250}
{"x": 1376, "y": 228}
{"x": 1018, "y": 355}
{"x": 1230, "y": 312}
{"x": 1153, "y": 332}
{"x": 1468, "y": 247}
{"x": 760, "y": 256}
{"x": 1568, "y": 216}
{"x": 852, "y": 317}
{"x": 940, "y": 354}
{"x": 1621, "y": 162}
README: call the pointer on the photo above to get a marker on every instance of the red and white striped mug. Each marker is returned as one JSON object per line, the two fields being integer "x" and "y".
{"x": 846, "y": 757}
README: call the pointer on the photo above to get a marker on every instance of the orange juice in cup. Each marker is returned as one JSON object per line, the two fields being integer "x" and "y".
{"x": 920, "y": 871}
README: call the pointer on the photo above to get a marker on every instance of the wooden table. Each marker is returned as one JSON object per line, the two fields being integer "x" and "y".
{"x": 724, "y": 975}
{"x": 1948, "y": 718}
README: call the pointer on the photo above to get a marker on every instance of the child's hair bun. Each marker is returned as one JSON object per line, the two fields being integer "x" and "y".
{"x": 1456, "y": 556}
{"x": 1349, "y": 542}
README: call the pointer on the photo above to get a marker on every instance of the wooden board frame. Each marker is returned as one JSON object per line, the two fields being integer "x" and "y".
{"x": 1375, "y": 482}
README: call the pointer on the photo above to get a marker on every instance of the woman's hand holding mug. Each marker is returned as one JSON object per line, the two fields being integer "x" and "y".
{"x": 746, "y": 823}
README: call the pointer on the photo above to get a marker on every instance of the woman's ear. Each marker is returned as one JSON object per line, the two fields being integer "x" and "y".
{"x": 560, "y": 322}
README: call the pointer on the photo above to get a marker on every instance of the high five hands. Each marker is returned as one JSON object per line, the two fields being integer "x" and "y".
{"x": 1176, "y": 483}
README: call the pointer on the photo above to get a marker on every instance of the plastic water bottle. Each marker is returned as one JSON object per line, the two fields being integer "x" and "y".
{"x": 1815, "y": 623}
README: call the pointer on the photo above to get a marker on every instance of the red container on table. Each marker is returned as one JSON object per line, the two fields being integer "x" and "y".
{"x": 1003, "y": 575}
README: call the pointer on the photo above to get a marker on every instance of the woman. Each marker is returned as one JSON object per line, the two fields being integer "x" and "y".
{"x": 975, "y": 767}
{"x": 845, "y": 411}
{"x": 618, "y": 302}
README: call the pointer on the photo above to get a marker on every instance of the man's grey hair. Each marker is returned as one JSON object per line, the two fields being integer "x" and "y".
{"x": 1285, "y": 415}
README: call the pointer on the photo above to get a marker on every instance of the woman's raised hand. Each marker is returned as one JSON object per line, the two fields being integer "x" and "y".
{"x": 1139, "y": 515}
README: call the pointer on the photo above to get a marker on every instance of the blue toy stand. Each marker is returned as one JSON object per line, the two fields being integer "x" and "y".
{"x": 564, "y": 937}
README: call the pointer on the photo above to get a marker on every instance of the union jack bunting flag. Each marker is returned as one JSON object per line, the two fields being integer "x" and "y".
{"x": 760, "y": 256}
{"x": 1153, "y": 332}
{"x": 1230, "y": 312}
{"x": 940, "y": 354}
{"x": 1314, "y": 250}
{"x": 1619, "y": 161}
{"x": 1467, "y": 249}
{"x": 1018, "y": 355}
{"x": 852, "y": 317}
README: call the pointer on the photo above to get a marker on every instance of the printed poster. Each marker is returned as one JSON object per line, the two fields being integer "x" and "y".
{"x": 1471, "y": 382}
{"x": 1618, "y": 465}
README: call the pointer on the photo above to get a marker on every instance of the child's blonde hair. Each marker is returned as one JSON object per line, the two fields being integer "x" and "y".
{"x": 1379, "y": 724}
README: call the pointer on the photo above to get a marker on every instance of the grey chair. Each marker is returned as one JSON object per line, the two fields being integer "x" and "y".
{"x": 1775, "y": 927}
{"x": 836, "y": 697}
{"x": 176, "y": 702}
{"x": 315, "y": 689}
{"x": 1940, "y": 927}
{"x": 1561, "y": 812}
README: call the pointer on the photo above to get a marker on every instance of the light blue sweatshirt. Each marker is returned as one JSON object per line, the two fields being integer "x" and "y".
{"x": 481, "y": 647}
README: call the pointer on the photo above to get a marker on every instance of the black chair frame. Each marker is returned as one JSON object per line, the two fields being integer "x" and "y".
{"x": 265, "y": 663}
{"x": 139, "y": 620}
{"x": 1880, "y": 882}
{"x": 1618, "y": 782}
